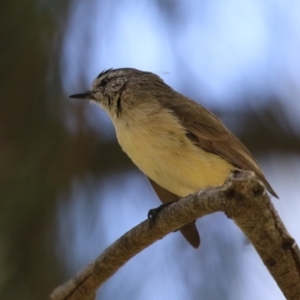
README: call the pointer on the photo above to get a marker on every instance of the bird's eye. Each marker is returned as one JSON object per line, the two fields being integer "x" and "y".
{"x": 103, "y": 82}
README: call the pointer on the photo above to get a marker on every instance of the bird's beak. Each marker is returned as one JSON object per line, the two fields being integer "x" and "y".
{"x": 85, "y": 95}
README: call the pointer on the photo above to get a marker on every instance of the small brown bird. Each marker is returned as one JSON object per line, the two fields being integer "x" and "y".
{"x": 180, "y": 146}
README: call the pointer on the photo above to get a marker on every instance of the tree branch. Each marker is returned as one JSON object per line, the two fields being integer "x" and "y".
{"x": 243, "y": 198}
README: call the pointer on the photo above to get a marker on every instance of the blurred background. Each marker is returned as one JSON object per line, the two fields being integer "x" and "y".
{"x": 66, "y": 189}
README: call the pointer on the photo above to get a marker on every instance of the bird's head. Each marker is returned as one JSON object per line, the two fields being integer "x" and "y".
{"x": 124, "y": 90}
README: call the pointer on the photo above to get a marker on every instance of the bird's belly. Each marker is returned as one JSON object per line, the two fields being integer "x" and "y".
{"x": 175, "y": 163}
{"x": 186, "y": 173}
{"x": 184, "y": 176}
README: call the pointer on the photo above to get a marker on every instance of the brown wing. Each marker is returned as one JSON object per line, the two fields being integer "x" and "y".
{"x": 208, "y": 132}
{"x": 189, "y": 231}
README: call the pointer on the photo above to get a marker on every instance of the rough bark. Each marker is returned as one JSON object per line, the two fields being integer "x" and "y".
{"x": 242, "y": 198}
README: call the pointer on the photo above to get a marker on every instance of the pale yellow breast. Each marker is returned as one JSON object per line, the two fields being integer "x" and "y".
{"x": 162, "y": 151}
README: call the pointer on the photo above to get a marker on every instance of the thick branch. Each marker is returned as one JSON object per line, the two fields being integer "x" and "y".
{"x": 242, "y": 198}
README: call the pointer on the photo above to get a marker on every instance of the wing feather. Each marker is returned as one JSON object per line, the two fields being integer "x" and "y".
{"x": 208, "y": 132}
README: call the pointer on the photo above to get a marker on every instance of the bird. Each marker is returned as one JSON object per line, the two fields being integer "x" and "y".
{"x": 177, "y": 143}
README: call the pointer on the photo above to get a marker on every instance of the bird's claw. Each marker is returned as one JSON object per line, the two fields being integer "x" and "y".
{"x": 152, "y": 214}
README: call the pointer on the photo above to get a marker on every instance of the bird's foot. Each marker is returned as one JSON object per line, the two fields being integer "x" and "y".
{"x": 152, "y": 214}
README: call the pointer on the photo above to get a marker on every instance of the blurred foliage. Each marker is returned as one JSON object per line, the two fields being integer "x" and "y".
{"x": 39, "y": 156}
